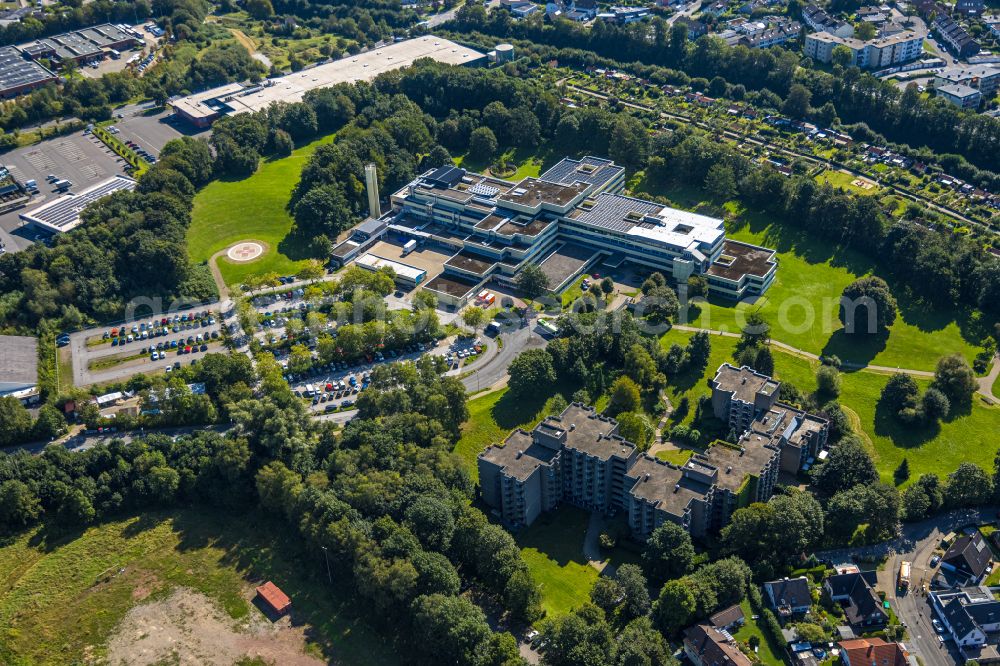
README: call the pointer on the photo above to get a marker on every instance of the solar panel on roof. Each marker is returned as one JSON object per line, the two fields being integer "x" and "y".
{"x": 485, "y": 190}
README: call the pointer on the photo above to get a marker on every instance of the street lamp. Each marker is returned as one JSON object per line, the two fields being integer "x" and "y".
{"x": 327, "y": 558}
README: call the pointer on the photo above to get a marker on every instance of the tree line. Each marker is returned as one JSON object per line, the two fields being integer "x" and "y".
{"x": 384, "y": 498}
{"x": 857, "y": 96}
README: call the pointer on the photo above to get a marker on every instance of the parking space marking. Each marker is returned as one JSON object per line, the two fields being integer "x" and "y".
{"x": 92, "y": 171}
{"x": 70, "y": 151}
{"x": 39, "y": 160}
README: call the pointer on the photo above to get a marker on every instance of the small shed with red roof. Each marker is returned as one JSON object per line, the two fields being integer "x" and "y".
{"x": 272, "y": 595}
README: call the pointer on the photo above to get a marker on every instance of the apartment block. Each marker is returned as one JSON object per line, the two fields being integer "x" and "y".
{"x": 570, "y": 218}
{"x": 579, "y": 458}
{"x": 962, "y": 96}
{"x": 874, "y": 54}
{"x": 984, "y": 78}
{"x": 748, "y": 401}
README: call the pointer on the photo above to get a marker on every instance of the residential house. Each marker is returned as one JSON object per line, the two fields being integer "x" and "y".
{"x": 970, "y": 615}
{"x": 969, "y": 557}
{"x": 729, "y": 619}
{"x": 971, "y": 8}
{"x": 873, "y": 652}
{"x": 955, "y": 36}
{"x": 695, "y": 27}
{"x": 706, "y": 645}
{"x": 817, "y": 19}
{"x": 789, "y": 596}
{"x": 855, "y": 592}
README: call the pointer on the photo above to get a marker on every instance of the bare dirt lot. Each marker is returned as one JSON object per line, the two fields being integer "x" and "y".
{"x": 187, "y": 628}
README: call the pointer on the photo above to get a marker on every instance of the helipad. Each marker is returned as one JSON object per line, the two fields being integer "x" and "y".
{"x": 243, "y": 252}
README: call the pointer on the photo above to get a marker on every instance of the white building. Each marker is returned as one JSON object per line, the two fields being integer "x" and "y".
{"x": 872, "y": 54}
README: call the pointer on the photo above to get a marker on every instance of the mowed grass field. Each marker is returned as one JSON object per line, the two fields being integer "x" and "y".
{"x": 228, "y": 211}
{"x": 802, "y": 307}
{"x": 61, "y": 599}
{"x": 969, "y": 436}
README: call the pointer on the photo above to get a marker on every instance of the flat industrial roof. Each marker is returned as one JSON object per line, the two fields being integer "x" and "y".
{"x": 373, "y": 262}
{"x": 17, "y": 71}
{"x": 637, "y": 217}
{"x": 63, "y": 214}
{"x": 18, "y": 362}
{"x": 362, "y": 67}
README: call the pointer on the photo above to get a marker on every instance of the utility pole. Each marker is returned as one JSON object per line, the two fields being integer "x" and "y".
{"x": 326, "y": 557}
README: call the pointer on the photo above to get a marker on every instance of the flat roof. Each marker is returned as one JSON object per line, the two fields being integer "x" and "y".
{"x": 743, "y": 382}
{"x": 452, "y": 285}
{"x": 739, "y": 259}
{"x": 520, "y": 455}
{"x": 564, "y": 262}
{"x": 593, "y": 170}
{"x": 749, "y": 458}
{"x": 638, "y": 217}
{"x": 18, "y": 362}
{"x": 534, "y": 191}
{"x": 362, "y": 67}
{"x": 373, "y": 262}
{"x": 17, "y": 71}
{"x": 665, "y": 485}
{"x": 63, "y": 214}
{"x": 592, "y": 434}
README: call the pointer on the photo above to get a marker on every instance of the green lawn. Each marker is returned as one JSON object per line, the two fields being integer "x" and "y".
{"x": 845, "y": 181}
{"x": 768, "y": 652}
{"x": 61, "y": 599}
{"x": 227, "y": 211}
{"x": 675, "y": 456}
{"x": 965, "y": 437}
{"x": 802, "y": 305}
{"x": 553, "y": 550}
{"x": 493, "y": 416}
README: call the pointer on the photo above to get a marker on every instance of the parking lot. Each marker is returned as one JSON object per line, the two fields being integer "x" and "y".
{"x": 98, "y": 360}
{"x": 148, "y": 127}
{"x": 80, "y": 158}
{"x": 333, "y": 388}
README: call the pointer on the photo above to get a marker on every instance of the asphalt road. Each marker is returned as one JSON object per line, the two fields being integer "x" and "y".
{"x": 916, "y": 544}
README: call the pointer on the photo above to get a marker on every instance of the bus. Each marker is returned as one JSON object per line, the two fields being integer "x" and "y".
{"x": 904, "y": 575}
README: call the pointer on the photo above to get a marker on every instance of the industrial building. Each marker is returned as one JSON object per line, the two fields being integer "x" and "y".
{"x": 18, "y": 75}
{"x": 19, "y": 368}
{"x": 82, "y": 46}
{"x": 579, "y": 458}
{"x": 203, "y": 108}
{"x": 572, "y": 217}
{"x": 63, "y": 214}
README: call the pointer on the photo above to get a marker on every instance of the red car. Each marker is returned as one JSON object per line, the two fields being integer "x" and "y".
{"x": 187, "y": 350}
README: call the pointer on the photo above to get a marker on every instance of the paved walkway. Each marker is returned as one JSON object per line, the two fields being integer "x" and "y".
{"x": 592, "y": 543}
{"x": 985, "y": 383}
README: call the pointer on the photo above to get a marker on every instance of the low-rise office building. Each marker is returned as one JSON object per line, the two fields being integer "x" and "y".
{"x": 81, "y": 46}
{"x": 873, "y": 54}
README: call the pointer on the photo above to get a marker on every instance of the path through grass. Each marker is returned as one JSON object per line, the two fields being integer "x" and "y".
{"x": 967, "y": 436}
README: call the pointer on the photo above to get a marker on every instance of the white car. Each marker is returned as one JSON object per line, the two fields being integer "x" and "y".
{"x": 532, "y": 635}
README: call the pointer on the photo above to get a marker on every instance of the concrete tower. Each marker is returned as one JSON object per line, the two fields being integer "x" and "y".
{"x": 371, "y": 181}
